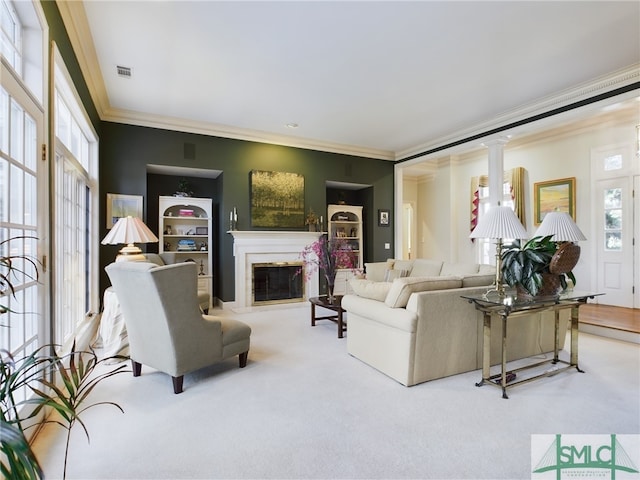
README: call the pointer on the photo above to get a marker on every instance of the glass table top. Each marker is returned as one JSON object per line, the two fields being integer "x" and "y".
{"x": 512, "y": 300}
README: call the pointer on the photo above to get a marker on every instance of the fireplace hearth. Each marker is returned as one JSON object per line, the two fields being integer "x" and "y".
{"x": 278, "y": 282}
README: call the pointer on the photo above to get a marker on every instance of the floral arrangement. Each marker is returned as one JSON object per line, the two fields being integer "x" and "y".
{"x": 327, "y": 256}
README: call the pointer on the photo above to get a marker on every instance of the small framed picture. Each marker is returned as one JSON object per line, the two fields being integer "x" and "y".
{"x": 119, "y": 206}
{"x": 202, "y": 230}
{"x": 383, "y": 218}
{"x": 554, "y": 196}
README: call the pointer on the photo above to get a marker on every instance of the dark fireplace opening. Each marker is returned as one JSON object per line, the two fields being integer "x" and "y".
{"x": 277, "y": 283}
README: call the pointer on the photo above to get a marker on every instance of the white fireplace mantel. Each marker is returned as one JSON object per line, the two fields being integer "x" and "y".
{"x": 260, "y": 246}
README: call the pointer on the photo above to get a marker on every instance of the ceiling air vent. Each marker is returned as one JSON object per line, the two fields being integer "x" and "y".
{"x": 123, "y": 71}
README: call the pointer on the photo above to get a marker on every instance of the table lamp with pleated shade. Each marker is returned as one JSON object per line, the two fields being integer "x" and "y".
{"x": 497, "y": 224}
{"x": 565, "y": 233}
{"x": 561, "y": 226}
{"x": 128, "y": 231}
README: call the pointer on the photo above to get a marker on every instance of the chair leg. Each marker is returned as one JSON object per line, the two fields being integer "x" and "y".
{"x": 177, "y": 384}
{"x": 243, "y": 359}
{"x": 136, "y": 367}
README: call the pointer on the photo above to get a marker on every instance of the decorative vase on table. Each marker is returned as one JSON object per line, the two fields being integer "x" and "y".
{"x": 331, "y": 279}
{"x": 327, "y": 257}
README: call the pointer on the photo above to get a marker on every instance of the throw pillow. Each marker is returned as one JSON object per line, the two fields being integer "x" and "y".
{"x": 402, "y": 288}
{"x": 426, "y": 268}
{"x": 391, "y": 275}
{"x": 458, "y": 268}
{"x": 477, "y": 280}
{"x": 376, "y": 270}
{"x": 369, "y": 289}
{"x": 403, "y": 265}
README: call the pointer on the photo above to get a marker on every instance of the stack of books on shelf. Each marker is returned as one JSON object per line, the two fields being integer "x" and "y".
{"x": 186, "y": 245}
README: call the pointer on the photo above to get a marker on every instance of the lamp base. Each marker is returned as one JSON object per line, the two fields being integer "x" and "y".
{"x": 130, "y": 253}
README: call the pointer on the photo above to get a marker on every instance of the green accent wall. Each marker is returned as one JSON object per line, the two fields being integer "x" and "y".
{"x": 126, "y": 150}
{"x": 58, "y": 34}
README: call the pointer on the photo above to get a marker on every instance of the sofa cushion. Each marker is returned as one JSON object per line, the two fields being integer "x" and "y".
{"x": 423, "y": 267}
{"x": 406, "y": 265}
{"x": 402, "y": 288}
{"x": 478, "y": 280}
{"x": 391, "y": 275}
{"x": 370, "y": 289}
{"x": 376, "y": 270}
{"x": 458, "y": 269}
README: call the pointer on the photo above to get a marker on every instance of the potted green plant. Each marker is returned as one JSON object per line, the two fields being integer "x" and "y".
{"x": 527, "y": 267}
{"x": 60, "y": 382}
{"x": 184, "y": 190}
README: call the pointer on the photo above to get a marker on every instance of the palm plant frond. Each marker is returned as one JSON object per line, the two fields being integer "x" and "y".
{"x": 20, "y": 460}
{"x": 10, "y": 270}
{"x": 66, "y": 392}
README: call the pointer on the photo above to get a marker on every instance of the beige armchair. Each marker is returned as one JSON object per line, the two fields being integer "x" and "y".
{"x": 166, "y": 329}
{"x": 168, "y": 258}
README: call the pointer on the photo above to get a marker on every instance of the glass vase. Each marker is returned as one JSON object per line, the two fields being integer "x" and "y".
{"x": 330, "y": 284}
{"x": 330, "y": 296}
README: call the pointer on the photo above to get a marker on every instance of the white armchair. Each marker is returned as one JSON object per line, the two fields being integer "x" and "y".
{"x": 166, "y": 329}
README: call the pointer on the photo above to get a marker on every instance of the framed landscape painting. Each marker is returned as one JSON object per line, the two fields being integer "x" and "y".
{"x": 554, "y": 196}
{"x": 277, "y": 199}
{"x": 119, "y": 206}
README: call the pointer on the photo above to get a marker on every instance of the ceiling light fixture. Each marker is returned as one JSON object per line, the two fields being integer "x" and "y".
{"x": 292, "y": 125}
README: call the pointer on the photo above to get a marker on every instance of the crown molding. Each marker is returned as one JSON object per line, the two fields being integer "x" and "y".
{"x": 618, "y": 79}
{"x": 217, "y": 130}
{"x": 75, "y": 21}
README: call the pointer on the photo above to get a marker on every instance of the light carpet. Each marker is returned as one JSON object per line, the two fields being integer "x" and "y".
{"x": 303, "y": 408}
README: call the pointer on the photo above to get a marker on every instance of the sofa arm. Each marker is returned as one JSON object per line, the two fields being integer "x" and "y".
{"x": 378, "y": 312}
{"x": 447, "y": 333}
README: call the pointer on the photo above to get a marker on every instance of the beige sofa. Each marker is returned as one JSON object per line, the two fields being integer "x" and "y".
{"x": 417, "y": 328}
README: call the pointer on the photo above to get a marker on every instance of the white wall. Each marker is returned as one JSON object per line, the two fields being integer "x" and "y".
{"x": 443, "y": 208}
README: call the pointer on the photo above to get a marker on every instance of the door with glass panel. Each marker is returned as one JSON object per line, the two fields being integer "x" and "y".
{"x": 614, "y": 241}
{"x": 22, "y": 328}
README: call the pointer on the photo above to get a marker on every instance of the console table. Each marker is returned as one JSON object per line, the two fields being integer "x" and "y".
{"x": 510, "y": 306}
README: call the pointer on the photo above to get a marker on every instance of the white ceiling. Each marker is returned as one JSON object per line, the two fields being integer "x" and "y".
{"x": 380, "y": 79}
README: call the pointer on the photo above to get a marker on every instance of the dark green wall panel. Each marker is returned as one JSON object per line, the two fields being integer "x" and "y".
{"x": 126, "y": 150}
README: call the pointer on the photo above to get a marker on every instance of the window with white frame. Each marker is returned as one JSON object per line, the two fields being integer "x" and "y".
{"x": 75, "y": 228}
{"x": 11, "y": 35}
{"x": 23, "y": 180}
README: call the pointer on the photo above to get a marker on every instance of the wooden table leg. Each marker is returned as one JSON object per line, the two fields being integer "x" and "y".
{"x": 340, "y": 323}
{"x": 313, "y": 314}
